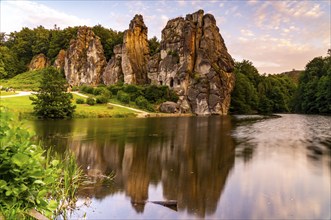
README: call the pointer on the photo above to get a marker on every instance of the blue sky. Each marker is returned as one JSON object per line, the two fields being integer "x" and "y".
{"x": 275, "y": 35}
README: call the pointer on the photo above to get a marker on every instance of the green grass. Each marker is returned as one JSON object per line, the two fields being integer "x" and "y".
{"x": 2, "y": 93}
{"x": 22, "y": 106}
{"x": 25, "y": 81}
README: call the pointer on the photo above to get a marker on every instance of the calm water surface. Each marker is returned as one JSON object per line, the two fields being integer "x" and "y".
{"x": 214, "y": 167}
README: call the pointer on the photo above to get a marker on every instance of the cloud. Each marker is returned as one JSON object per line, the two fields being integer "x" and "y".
{"x": 272, "y": 54}
{"x": 18, "y": 14}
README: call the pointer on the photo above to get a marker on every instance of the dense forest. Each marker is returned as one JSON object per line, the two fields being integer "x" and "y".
{"x": 308, "y": 92}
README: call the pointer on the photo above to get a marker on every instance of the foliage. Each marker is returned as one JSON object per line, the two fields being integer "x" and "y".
{"x": 25, "y": 81}
{"x": 123, "y": 97}
{"x": 52, "y": 101}
{"x": 90, "y": 101}
{"x": 314, "y": 91}
{"x": 9, "y": 63}
{"x": 28, "y": 179}
{"x": 259, "y": 93}
{"x": 87, "y": 89}
{"x": 80, "y": 101}
{"x": 101, "y": 99}
{"x": 143, "y": 103}
{"x": 154, "y": 45}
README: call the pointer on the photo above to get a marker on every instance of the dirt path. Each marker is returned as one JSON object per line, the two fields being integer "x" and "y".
{"x": 141, "y": 112}
{"x": 16, "y": 95}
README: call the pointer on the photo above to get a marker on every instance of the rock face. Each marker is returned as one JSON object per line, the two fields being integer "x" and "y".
{"x": 60, "y": 59}
{"x": 169, "y": 107}
{"x": 135, "y": 52}
{"x": 113, "y": 72}
{"x": 38, "y": 62}
{"x": 85, "y": 59}
{"x": 195, "y": 62}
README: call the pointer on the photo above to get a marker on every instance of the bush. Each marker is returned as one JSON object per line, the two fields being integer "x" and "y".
{"x": 90, "y": 101}
{"x": 143, "y": 103}
{"x": 123, "y": 97}
{"x": 87, "y": 89}
{"x": 114, "y": 89}
{"x": 29, "y": 181}
{"x": 80, "y": 101}
{"x": 101, "y": 99}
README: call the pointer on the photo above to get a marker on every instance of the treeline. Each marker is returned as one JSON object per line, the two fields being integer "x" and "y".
{"x": 255, "y": 93}
{"x": 18, "y": 48}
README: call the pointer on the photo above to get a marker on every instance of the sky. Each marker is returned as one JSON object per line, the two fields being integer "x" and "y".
{"x": 276, "y": 36}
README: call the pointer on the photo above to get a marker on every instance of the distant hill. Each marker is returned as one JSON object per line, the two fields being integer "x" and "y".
{"x": 294, "y": 75}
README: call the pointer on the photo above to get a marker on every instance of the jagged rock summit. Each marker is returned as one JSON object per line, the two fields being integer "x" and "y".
{"x": 85, "y": 60}
{"x": 135, "y": 52}
{"x": 194, "y": 62}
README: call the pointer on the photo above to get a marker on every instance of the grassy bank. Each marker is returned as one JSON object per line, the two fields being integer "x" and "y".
{"x": 23, "y": 106}
{"x": 25, "y": 81}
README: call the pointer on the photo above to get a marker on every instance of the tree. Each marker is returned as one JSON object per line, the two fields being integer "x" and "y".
{"x": 154, "y": 45}
{"x": 52, "y": 101}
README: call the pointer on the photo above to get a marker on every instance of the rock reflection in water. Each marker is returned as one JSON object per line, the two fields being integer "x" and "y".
{"x": 190, "y": 157}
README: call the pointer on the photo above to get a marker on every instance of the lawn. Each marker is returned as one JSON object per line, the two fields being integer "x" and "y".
{"x": 25, "y": 81}
{"x": 2, "y": 93}
{"x": 22, "y": 106}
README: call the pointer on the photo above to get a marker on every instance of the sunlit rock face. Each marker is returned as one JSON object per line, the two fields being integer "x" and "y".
{"x": 60, "y": 59}
{"x": 85, "y": 59}
{"x": 135, "y": 52}
{"x": 195, "y": 62}
{"x": 38, "y": 62}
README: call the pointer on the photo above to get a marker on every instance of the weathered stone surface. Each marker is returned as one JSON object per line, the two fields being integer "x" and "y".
{"x": 196, "y": 64}
{"x": 85, "y": 59}
{"x": 60, "y": 59}
{"x": 113, "y": 72}
{"x": 169, "y": 107}
{"x": 38, "y": 62}
{"x": 135, "y": 52}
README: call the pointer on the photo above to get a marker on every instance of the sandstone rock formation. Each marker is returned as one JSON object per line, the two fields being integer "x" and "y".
{"x": 195, "y": 62}
{"x": 85, "y": 59}
{"x": 135, "y": 52}
{"x": 169, "y": 107}
{"x": 113, "y": 72}
{"x": 60, "y": 59}
{"x": 38, "y": 62}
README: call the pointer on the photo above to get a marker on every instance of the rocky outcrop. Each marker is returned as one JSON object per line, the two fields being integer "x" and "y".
{"x": 195, "y": 62}
{"x": 169, "y": 107}
{"x": 135, "y": 52}
{"x": 38, "y": 62}
{"x": 60, "y": 59}
{"x": 113, "y": 72}
{"x": 85, "y": 60}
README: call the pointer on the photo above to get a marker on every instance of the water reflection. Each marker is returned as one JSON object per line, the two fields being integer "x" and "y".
{"x": 190, "y": 157}
{"x": 271, "y": 169}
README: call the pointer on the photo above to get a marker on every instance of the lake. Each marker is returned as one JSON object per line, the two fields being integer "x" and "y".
{"x": 213, "y": 167}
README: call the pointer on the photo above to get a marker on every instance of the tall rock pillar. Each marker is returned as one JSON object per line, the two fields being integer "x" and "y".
{"x": 135, "y": 52}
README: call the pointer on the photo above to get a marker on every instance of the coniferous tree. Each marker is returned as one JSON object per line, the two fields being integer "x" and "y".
{"x": 52, "y": 100}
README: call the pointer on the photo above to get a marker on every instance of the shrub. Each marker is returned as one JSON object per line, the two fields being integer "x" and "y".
{"x": 143, "y": 103}
{"x": 87, "y": 89}
{"x": 114, "y": 89}
{"x": 123, "y": 97}
{"x": 80, "y": 101}
{"x": 29, "y": 181}
{"x": 101, "y": 99}
{"x": 90, "y": 101}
